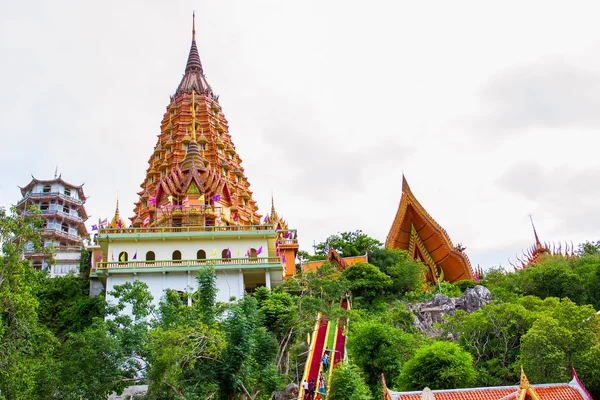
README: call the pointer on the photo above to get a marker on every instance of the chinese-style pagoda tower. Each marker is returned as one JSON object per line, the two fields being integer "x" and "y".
{"x": 62, "y": 208}
{"x": 194, "y": 163}
{"x": 417, "y": 232}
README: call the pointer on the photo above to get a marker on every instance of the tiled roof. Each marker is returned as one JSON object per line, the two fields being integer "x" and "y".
{"x": 559, "y": 391}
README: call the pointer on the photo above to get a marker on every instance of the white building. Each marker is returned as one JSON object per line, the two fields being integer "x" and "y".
{"x": 63, "y": 211}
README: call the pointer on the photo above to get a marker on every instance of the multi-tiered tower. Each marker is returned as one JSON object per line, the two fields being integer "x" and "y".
{"x": 195, "y": 208}
{"x": 62, "y": 208}
{"x": 194, "y": 163}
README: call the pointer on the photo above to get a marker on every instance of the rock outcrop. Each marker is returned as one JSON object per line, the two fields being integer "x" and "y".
{"x": 432, "y": 312}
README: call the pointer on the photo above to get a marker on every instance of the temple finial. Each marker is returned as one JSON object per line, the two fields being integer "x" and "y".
{"x": 194, "y": 26}
{"x": 537, "y": 240}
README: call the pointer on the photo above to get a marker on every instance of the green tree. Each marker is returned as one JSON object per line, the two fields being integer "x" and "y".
{"x": 366, "y": 281}
{"x": 441, "y": 365}
{"x": 554, "y": 277}
{"x": 377, "y": 349}
{"x": 406, "y": 274}
{"x": 347, "y": 383}
{"x": 492, "y": 335}
{"x": 563, "y": 335}
{"x": 347, "y": 244}
{"x": 588, "y": 248}
{"x": 24, "y": 343}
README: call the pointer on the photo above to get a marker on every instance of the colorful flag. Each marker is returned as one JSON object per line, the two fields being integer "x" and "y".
{"x": 170, "y": 199}
{"x": 247, "y": 253}
{"x": 283, "y": 259}
{"x": 228, "y": 253}
{"x": 214, "y": 253}
{"x": 288, "y": 235}
{"x": 104, "y": 223}
{"x": 201, "y": 199}
{"x": 277, "y": 252}
{"x": 238, "y": 254}
{"x": 259, "y": 250}
{"x": 99, "y": 257}
{"x": 146, "y": 220}
{"x": 112, "y": 256}
{"x": 94, "y": 227}
{"x": 152, "y": 200}
{"x": 122, "y": 258}
{"x": 235, "y": 217}
{"x": 134, "y": 256}
{"x": 216, "y": 197}
{"x": 185, "y": 201}
{"x": 119, "y": 224}
{"x": 266, "y": 219}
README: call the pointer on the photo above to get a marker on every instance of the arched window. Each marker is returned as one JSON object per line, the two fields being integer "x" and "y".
{"x": 226, "y": 253}
{"x": 201, "y": 255}
{"x": 177, "y": 256}
{"x": 123, "y": 256}
{"x": 252, "y": 253}
{"x": 150, "y": 256}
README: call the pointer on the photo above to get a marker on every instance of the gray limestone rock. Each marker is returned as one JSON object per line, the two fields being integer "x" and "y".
{"x": 432, "y": 312}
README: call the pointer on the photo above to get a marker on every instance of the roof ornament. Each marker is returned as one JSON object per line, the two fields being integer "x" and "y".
{"x": 193, "y": 26}
{"x": 537, "y": 240}
{"x": 55, "y": 172}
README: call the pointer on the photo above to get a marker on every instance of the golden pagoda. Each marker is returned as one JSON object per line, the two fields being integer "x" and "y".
{"x": 417, "y": 232}
{"x": 194, "y": 175}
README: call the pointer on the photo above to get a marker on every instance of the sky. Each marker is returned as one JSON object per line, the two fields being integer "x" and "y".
{"x": 490, "y": 109}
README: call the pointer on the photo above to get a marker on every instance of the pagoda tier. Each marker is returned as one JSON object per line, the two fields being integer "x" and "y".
{"x": 194, "y": 168}
{"x": 417, "y": 232}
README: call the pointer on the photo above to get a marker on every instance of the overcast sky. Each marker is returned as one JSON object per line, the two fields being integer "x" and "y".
{"x": 491, "y": 109}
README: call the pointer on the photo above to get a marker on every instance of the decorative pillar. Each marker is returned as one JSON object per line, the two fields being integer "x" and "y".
{"x": 268, "y": 279}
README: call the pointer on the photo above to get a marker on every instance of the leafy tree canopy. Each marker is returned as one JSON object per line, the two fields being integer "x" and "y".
{"x": 441, "y": 365}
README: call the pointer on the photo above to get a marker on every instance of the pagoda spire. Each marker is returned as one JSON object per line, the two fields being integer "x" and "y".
{"x": 193, "y": 62}
{"x": 537, "y": 239}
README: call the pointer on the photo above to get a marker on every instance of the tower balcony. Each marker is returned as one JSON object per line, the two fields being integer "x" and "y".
{"x": 50, "y": 195}
{"x": 129, "y": 267}
{"x": 188, "y": 230}
{"x": 287, "y": 238}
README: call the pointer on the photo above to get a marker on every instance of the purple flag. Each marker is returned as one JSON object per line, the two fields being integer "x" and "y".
{"x": 135, "y": 256}
{"x": 99, "y": 257}
{"x": 259, "y": 250}
{"x": 119, "y": 224}
{"x": 235, "y": 217}
{"x": 284, "y": 260}
{"x": 228, "y": 254}
{"x": 94, "y": 227}
{"x": 266, "y": 219}
{"x": 216, "y": 197}
{"x": 276, "y": 244}
{"x": 278, "y": 252}
{"x": 288, "y": 235}
{"x": 104, "y": 222}
{"x": 152, "y": 200}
